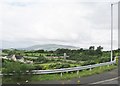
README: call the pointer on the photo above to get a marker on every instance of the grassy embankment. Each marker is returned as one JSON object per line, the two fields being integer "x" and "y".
{"x": 66, "y": 76}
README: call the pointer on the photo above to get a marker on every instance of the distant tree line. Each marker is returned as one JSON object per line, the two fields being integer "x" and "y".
{"x": 79, "y": 55}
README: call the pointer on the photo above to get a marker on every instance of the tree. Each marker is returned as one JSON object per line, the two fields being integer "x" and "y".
{"x": 19, "y": 70}
{"x": 99, "y": 50}
{"x": 41, "y": 59}
{"x": 39, "y": 51}
{"x": 60, "y": 52}
{"x": 91, "y": 48}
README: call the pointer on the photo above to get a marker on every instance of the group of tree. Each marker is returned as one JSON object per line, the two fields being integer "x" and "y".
{"x": 17, "y": 69}
{"x": 81, "y": 54}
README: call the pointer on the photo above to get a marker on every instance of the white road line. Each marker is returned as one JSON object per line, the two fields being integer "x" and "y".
{"x": 105, "y": 80}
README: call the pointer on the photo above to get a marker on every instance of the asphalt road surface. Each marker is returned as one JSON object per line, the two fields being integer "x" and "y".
{"x": 110, "y": 77}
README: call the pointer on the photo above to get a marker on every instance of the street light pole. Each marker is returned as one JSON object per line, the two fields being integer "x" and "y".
{"x": 111, "y": 31}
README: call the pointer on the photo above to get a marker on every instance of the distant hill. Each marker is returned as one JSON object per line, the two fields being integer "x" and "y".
{"x": 50, "y": 47}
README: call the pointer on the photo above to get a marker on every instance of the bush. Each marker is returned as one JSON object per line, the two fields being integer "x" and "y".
{"x": 45, "y": 67}
{"x": 19, "y": 70}
{"x": 38, "y": 67}
{"x": 103, "y": 59}
{"x": 66, "y": 65}
{"x": 41, "y": 59}
{"x": 116, "y": 59}
{"x": 17, "y": 67}
{"x": 59, "y": 65}
{"x": 51, "y": 66}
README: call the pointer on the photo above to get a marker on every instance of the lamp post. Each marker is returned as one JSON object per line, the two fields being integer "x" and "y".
{"x": 112, "y": 28}
{"x": 118, "y": 33}
{"x": 111, "y": 31}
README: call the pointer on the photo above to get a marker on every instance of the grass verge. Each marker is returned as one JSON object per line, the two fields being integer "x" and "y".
{"x": 65, "y": 76}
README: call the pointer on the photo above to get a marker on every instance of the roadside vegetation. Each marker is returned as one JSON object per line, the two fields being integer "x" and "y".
{"x": 71, "y": 75}
{"x": 65, "y": 76}
{"x": 44, "y": 60}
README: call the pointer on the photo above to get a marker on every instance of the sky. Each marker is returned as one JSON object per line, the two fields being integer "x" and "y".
{"x": 78, "y": 23}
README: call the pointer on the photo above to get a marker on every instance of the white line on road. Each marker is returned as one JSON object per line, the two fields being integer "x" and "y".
{"x": 105, "y": 80}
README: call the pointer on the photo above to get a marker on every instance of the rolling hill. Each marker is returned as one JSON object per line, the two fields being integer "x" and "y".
{"x": 50, "y": 47}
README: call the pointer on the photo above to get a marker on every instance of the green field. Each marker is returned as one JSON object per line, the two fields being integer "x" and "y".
{"x": 42, "y": 61}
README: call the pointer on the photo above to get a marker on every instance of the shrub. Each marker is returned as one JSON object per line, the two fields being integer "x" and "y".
{"x": 41, "y": 59}
{"x": 19, "y": 70}
{"x": 65, "y": 65}
{"x": 38, "y": 67}
{"x": 59, "y": 65}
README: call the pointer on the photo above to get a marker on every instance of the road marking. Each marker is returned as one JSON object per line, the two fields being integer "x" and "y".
{"x": 63, "y": 83}
{"x": 78, "y": 82}
{"x": 105, "y": 80}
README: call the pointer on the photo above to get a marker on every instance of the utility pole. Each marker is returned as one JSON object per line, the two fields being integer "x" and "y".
{"x": 112, "y": 27}
{"x": 118, "y": 24}
{"x": 118, "y": 40}
{"x": 111, "y": 31}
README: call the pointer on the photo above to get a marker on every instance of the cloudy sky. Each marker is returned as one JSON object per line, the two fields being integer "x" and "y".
{"x": 69, "y": 22}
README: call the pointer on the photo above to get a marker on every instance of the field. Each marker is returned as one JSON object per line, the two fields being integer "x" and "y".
{"x": 44, "y": 60}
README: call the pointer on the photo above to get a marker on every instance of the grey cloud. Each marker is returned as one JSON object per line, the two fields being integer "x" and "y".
{"x": 77, "y": 24}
